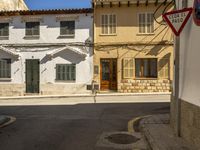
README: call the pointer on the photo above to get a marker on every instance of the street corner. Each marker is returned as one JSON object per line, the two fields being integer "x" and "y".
{"x": 6, "y": 120}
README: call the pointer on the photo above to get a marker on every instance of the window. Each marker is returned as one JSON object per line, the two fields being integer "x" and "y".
{"x": 32, "y": 28}
{"x": 66, "y": 72}
{"x": 4, "y": 29}
{"x": 108, "y": 24}
{"x": 146, "y": 68}
{"x": 184, "y": 3}
{"x": 128, "y": 68}
{"x": 146, "y": 23}
{"x": 67, "y": 28}
{"x": 5, "y": 68}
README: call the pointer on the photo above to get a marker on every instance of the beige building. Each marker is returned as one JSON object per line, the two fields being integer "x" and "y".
{"x": 133, "y": 49}
{"x": 13, "y": 5}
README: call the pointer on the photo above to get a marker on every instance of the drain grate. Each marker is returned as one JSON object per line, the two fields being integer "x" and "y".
{"x": 122, "y": 138}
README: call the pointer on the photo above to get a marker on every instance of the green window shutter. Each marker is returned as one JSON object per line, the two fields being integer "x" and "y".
{"x": 66, "y": 72}
{"x": 32, "y": 28}
{"x": 5, "y": 68}
{"x": 67, "y": 27}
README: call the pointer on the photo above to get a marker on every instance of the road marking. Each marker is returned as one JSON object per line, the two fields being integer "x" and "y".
{"x": 133, "y": 121}
{"x": 12, "y": 119}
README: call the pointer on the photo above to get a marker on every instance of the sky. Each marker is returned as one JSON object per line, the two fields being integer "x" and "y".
{"x": 57, "y": 4}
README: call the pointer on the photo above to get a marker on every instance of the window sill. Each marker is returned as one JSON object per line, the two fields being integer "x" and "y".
{"x": 64, "y": 81}
{"x": 31, "y": 37}
{"x": 137, "y": 78}
{"x": 107, "y": 34}
{"x": 143, "y": 34}
{"x": 66, "y": 36}
{"x": 5, "y": 79}
{"x": 4, "y": 38}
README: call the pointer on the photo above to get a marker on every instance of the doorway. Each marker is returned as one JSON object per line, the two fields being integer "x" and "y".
{"x": 108, "y": 74}
{"x": 32, "y": 75}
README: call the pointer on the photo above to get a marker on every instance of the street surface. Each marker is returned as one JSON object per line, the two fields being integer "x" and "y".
{"x": 69, "y": 127}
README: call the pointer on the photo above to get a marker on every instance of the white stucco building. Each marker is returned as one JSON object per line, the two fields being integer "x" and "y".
{"x": 45, "y": 52}
{"x": 189, "y": 83}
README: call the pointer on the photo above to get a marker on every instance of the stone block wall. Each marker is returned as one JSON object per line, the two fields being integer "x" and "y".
{"x": 144, "y": 86}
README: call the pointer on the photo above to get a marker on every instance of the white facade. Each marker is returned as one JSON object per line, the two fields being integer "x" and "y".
{"x": 189, "y": 65}
{"x": 49, "y": 42}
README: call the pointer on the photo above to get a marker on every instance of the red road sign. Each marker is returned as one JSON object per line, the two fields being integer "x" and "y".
{"x": 177, "y": 19}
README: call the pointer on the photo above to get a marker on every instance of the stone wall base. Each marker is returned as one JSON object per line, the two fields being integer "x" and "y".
{"x": 45, "y": 89}
{"x": 144, "y": 86}
{"x": 190, "y": 123}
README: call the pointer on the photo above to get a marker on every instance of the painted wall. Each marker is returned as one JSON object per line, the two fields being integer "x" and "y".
{"x": 157, "y": 45}
{"x": 37, "y": 49}
{"x": 49, "y": 30}
{"x": 127, "y": 29}
{"x": 189, "y": 69}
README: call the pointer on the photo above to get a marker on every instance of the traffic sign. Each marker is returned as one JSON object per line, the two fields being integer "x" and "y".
{"x": 177, "y": 19}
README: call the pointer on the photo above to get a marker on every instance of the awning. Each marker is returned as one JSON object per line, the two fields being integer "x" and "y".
{"x": 74, "y": 49}
{"x": 9, "y": 51}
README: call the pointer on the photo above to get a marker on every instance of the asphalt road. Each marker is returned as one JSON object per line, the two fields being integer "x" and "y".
{"x": 69, "y": 127}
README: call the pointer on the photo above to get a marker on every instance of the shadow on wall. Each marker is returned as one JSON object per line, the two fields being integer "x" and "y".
{"x": 69, "y": 56}
{"x": 165, "y": 62}
{"x": 157, "y": 49}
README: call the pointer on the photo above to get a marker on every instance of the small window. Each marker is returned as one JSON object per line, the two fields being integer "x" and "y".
{"x": 108, "y": 24}
{"x": 5, "y": 68}
{"x": 146, "y": 23}
{"x": 4, "y": 29}
{"x": 66, "y": 72}
{"x": 67, "y": 28}
{"x": 32, "y": 28}
{"x": 128, "y": 68}
{"x": 184, "y": 3}
{"x": 146, "y": 68}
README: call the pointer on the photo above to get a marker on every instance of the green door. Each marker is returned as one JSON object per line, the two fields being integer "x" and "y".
{"x": 32, "y": 75}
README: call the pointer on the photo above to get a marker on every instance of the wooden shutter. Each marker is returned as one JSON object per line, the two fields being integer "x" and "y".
{"x": 164, "y": 68}
{"x": 128, "y": 68}
{"x": 150, "y": 23}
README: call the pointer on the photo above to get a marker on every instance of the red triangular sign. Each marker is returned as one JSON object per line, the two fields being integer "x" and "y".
{"x": 177, "y": 19}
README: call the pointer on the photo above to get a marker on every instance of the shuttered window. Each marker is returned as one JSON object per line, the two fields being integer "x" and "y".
{"x": 67, "y": 28}
{"x": 5, "y": 68}
{"x": 108, "y": 24}
{"x": 4, "y": 29}
{"x": 146, "y": 67}
{"x": 146, "y": 23}
{"x": 128, "y": 67}
{"x": 32, "y": 28}
{"x": 66, "y": 72}
{"x": 164, "y": 71}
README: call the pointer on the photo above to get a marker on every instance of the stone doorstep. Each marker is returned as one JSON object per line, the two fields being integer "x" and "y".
{"x": 160, "y": 136}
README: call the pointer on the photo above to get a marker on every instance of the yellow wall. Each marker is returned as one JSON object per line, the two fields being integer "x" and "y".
{"x": 127, "y": 24}
{"x": 158, "y": 45}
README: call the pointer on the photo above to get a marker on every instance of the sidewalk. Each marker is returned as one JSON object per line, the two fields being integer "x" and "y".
{"x": 160, "y": 136}
{"x": 86, "y": 99}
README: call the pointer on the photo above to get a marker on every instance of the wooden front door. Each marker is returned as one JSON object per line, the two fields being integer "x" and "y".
{"x": 32, "y": 75}
{"x": 108, "y": 74}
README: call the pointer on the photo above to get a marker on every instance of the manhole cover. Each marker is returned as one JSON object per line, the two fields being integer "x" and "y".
{"x": 122, "y": 138}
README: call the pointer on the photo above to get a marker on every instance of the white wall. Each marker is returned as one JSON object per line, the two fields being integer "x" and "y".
{"x": 49, "y": 30}
{"x": 190, "y": 62}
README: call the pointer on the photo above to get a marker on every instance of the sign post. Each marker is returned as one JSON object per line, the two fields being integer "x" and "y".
{"x": 177, "y": 20}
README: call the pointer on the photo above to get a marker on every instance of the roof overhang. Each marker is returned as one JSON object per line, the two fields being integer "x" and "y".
{"x": 74, "y": 49}
{"x": 127, "y": 2}
{"x": 9, "y": 51}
